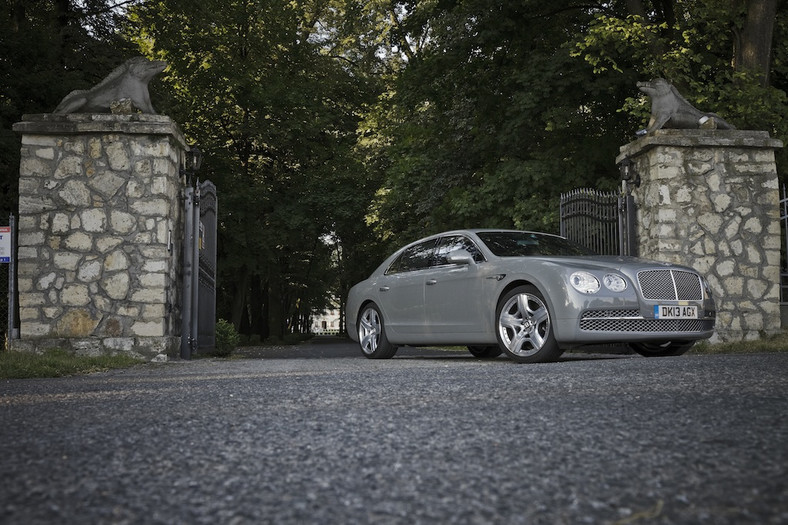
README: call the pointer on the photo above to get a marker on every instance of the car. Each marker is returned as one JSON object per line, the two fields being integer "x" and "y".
{"x": 529, "y": 295}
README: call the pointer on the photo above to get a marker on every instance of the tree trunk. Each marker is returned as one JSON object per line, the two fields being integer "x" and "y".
{"x": 239, "y": 301}
{"x": 753, "y": 43}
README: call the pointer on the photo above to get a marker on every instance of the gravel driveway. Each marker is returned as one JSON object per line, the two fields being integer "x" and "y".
{"x": 317, "y": 434}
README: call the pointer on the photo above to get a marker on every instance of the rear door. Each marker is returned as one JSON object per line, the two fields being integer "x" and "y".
{"x": 401, "y": 291}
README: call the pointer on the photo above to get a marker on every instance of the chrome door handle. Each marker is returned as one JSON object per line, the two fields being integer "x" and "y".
{"x": 384, "y": 288}
{"x": 431, "y": 282}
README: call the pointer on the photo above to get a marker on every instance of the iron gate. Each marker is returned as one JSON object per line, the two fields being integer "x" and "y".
{"x": 198, "y": 313}
{"x": 206, "y": 316}
{"x": 784, "y": 251}
{"x": 604, "y": 222}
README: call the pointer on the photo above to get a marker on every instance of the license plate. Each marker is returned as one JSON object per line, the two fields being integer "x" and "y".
{"x": 675, "y": 312}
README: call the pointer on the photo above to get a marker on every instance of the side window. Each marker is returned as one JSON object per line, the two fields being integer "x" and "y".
{"x": 456, "y": 242}
{"x": 417, "y": 257}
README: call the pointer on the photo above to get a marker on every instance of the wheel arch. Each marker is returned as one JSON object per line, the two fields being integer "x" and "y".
{"x": 525, "y": 281}
{"x": 522, "y": 281}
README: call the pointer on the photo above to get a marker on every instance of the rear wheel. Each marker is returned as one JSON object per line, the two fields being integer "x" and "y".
{"x": 485, "y": 352}
{"x": 663, "y": 348}
{"x": 372, "y": 334}
{"x": 523, "y": 326}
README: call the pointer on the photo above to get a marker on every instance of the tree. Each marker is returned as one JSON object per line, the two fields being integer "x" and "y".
{"x": 274, "y": 105}
{"x": 718, "y": 54}
{"x": 492, "y": 118}
{"x": 49, "y": 48}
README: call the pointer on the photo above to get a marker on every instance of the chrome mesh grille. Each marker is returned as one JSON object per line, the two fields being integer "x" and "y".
{"x": 602, "y": 314}
{"x": 670, "y": 285}
{"x": 630, "y": 321}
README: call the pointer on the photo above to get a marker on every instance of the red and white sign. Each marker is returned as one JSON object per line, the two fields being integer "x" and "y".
{"x": 5, "y": 244}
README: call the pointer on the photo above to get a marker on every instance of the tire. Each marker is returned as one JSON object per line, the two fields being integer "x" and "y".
{"x": 662, "y": 349}
{"x": 372, "y": 334}
{"x": 523, "y": 327}
{"x": 485, "y": 352}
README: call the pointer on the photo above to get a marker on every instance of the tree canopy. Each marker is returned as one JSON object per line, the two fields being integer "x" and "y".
{"x": 336, "y": 130}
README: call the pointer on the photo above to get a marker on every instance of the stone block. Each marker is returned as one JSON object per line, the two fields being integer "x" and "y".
{"x": 118, "y": 156}
{"x": 76, "y": 323}
{"x": 115, "y": 261}
{"x": 148, "y": 328}
{"x": 66, "y": 260}
{"x": 149, "y": 295}
{"x": 34, "y": 167}
{"x": 75, "y": 193}
{"x": 70, "y": 166}
{"x": 116, "y": 286}
{"x": 75, "y": 295}
{"x": 107, "y": 183}
{"x": 94, "y": 220}
{"x": 79, "y": 241}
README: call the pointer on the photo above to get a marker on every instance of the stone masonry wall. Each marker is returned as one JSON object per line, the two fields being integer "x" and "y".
{"x": 100, "y": 234}
{"x": 709, "y": 200}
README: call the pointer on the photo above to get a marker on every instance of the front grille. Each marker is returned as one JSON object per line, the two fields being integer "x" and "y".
{"x": 670, "y": 285}
{"x": 630, "y": 321}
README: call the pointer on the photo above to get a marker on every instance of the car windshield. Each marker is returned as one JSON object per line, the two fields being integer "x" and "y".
{"x": 524, "y": 244}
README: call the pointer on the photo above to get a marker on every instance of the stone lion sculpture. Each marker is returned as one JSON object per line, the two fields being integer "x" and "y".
{"x": 127, "y": 82}
{"x": 670, "y": 110}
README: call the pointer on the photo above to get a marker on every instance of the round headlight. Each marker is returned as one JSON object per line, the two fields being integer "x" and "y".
{"x": 614, "y": 283}
{"x": 584, "y": 282}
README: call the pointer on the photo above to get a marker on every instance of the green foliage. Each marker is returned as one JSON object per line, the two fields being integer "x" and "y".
{"x": 48, "y": 49}
{"x": 695, "y": 54}
{"x": 227, "y": 338}
{"x": 336, "y": 130}
{"x": 58, "y": 363}
{"x": 273, "y": 100}
{"x": 491, "y": 120}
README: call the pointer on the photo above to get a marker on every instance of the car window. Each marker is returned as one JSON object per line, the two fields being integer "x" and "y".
{"x": 417, "y": 257}
{"x": 456, "y": 242}
{"x": 519, "y": 244}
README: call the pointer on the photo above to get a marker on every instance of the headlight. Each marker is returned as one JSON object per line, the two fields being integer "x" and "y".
{"x": 584, "y": 282}
{"x": 614, "y": 283}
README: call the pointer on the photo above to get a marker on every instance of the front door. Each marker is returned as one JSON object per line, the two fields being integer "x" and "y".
{"x": 453, "y": 299}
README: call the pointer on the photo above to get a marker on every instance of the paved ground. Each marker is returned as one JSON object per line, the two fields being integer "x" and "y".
{"x": 318, "y": 434}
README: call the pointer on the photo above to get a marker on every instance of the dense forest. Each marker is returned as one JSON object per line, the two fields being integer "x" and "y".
{"x": 336, "y": 130}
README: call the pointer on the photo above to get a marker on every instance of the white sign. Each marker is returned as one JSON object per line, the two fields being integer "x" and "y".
{"x": 5, "y": 244}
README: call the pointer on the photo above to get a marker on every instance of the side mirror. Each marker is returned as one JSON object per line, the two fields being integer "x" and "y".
{"x": 460, "y": 257}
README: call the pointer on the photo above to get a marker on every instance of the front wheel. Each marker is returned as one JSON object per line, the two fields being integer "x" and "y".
{"x": 372, "y": 334}
{"x": 523, "y": 327}
{"x": 662, "y": 349}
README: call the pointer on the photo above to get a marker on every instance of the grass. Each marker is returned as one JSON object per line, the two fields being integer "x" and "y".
{"x": 58, "y": 363}
{"x": 774, "y": 343}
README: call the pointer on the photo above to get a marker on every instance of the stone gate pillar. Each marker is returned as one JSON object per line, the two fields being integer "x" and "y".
{"x": 100, "y": 228}
{"x": 709, "y": 199}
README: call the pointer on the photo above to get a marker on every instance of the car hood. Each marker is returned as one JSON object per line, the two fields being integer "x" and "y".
{"x": 599, "y": 262}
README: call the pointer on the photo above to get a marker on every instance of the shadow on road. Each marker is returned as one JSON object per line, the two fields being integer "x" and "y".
{"x": 335, "y": 347}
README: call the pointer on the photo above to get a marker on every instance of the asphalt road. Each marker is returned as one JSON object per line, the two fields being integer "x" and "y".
{"x": 318, "y": 434}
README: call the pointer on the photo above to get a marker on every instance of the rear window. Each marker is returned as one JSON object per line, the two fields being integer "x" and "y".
{"x": 417, "y": 257}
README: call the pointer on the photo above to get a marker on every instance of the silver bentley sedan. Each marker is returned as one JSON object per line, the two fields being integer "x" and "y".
{"x": 530, "y": 295}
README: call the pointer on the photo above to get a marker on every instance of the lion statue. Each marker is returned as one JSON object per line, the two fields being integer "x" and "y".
{"x": 670, "y": 110}
{"x": 127, "y": 82}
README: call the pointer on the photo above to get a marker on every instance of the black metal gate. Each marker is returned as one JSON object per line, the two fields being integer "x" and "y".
{"x": 784, "y": 251}
{"x": 601, "y": 221}
{"x": 198, "y": 312}
{"x": 206, "y": 316}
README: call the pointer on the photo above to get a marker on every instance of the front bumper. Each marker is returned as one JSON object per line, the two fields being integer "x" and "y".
{"x": 631, "y": 322}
